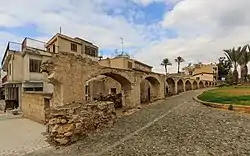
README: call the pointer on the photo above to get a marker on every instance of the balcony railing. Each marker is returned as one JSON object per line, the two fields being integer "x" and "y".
{"x": 32, "y": 43}
{"x": 28, "y": 43}
{"x": 12, "y": 46}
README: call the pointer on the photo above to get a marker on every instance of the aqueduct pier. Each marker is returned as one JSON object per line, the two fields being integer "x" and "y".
{"x": 69, "y": 74}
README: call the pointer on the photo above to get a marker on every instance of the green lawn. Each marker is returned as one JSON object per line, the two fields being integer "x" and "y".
{"x": 228, "y": 95}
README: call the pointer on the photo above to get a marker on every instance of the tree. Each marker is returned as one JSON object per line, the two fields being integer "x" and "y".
{"x": 233, "y": 56}
{"x": 166, "y": 62}
{"x": 243, "y": 61}
{"x": 179, "y": 60}
{"x": 224, "y": 67}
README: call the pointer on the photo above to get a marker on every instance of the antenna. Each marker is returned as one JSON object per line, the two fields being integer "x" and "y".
{"x": 122, "y": 44}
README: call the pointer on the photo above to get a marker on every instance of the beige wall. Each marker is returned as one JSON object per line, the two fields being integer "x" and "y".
{"x": 16, "y": 68}
{"x": 205, "y": 68}
{"x": 122, "y": 63}
{"x": 65, "y": 46}
{"x": 208, "y": 77}
{"x": 33, "y": 106}
{"x": 33, "y": 76}
{"x": 50, "y": 46}
{"x": 114, "y": 63}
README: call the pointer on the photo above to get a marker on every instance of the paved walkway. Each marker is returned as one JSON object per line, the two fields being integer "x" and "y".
{"x": 176, "y": 127}
{"x": 19, "y": 136}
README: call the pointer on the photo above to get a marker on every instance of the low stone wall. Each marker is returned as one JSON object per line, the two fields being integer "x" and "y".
{"x": 68, "y": 123}
{"x": 34, "y": 105}
{"x": 233, "y": 107}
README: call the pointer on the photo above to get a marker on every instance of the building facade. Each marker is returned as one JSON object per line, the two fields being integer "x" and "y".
{"x": 76, "y": 45}
{"x": 124, "y": 62}
{"x": 22, "y": 62}
{"x": 208, "y": 72}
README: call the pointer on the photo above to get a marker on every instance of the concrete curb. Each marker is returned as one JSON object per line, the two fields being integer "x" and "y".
{"x": 234, "y": 107}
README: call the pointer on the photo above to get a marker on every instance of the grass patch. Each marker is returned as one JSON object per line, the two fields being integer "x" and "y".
{"x": 228, "y": 95}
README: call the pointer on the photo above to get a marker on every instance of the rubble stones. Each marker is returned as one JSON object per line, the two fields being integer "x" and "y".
{"x": 66, "y": 126}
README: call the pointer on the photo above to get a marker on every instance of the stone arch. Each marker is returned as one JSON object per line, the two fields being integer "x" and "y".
{"x": 195, "y": 85}
{"x": 210, "y": 84}
{"x": 124, "y": 96}
{"x": 101, "y": 86}
{"x": 188, "y": 85}
{"x": 149, "y": 89}
{"x": 180, "y": 86}
{"x": 206, "y": 84}
{"x": 201, "y": 84}
{"x": 170, "y": 87}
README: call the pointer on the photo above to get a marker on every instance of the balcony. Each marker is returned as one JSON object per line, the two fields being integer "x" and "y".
{"x": 28, "y": 44}
{"x": 13, "y": 47}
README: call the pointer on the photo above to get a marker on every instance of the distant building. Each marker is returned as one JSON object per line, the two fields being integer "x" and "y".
{"x": 202, "y": 72}
{"x": 124, "y": 62}
{"x": 63, "y": 43}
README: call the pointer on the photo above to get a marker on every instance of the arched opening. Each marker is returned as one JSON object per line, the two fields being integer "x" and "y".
{"x": 195, "y": 85}
{"x": 170, "y": 87}
{"x": 149, "y": 88}
{"x": 210, "y": 84}
{"x": 180, "y": 86}
{"x": 188, "y": 85}
{"x": 206, "y": 84}
{"x": 201, "y": 85}
{"x": 108, "y": 87}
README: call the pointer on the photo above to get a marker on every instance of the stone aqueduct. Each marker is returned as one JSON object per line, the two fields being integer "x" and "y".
{"x": 69, "y": 73}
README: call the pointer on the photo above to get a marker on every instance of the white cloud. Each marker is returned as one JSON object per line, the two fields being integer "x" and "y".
{"x": 204, "y": 29}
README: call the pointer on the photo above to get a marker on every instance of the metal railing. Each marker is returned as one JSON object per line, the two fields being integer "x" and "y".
{"x": 11, "y": 46}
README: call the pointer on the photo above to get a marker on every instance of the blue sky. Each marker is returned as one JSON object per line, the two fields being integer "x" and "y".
{"x": 152, "y": 29}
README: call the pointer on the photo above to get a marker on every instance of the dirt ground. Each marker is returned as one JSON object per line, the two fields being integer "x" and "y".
{"x": 235, "y": 91}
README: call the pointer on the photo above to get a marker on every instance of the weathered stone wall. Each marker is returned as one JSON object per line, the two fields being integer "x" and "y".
{"x": 69, "y": 74}
{"x": 34, "y": 105}
{"x": 68, "y": 123}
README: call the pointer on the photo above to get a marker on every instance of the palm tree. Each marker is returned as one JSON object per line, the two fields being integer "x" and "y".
{"x": 243, "y": 61}
{"x": 166, "y": 62}
{"x": 179, "y": 60}
{"x": 233, "y": 56}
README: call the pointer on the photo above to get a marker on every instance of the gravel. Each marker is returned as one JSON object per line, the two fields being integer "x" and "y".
{"x": 177, "y": 126}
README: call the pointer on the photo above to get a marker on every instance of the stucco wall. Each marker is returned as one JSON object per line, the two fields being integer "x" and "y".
{"x": 65, "y": 46}
{"x": 33, "y": 106}
{"x": 207, "y": 77}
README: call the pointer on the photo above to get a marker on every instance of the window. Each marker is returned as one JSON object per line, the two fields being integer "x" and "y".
{"x": 197, "y": 78}
{"x": 130, "y": 65}
{"x": 39, "y": 89}
{"x": 74, "y": 47}
{"x": 90, "y": 51}
{"x": 54, "y": 48}
{"x": 35, "y": 65}
{"x": 30, "y": 89}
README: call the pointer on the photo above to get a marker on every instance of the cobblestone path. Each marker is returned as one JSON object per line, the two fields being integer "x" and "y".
{"x": 178, "y": 126}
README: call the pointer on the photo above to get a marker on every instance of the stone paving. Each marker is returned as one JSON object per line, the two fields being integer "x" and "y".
{"x": 19, "y": 136}
{"x": 178, "y": 126}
